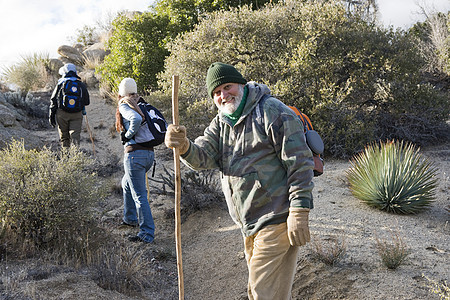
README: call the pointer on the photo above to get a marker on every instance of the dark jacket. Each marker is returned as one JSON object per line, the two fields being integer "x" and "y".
{"x": 55, "y": 100}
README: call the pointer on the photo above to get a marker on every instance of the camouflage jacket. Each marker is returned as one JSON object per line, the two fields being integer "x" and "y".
{"x": 264, "y": 161}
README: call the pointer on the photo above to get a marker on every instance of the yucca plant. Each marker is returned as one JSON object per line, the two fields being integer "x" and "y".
{"x": 393, "y": 177}
{"x": 33, "y": 72}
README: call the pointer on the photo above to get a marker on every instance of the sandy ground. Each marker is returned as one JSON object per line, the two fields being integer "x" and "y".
{"x": 213, "y": 259}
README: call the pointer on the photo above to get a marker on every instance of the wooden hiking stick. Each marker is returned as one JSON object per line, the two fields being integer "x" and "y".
{"x": 90, "y": 133}
{"x": 176, "y": 159}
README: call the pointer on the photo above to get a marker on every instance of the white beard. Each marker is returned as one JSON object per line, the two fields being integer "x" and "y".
{"x": 230, "y": 107}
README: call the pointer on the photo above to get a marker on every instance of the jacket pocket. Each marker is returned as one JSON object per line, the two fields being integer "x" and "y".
{"x": 249, "y": 198}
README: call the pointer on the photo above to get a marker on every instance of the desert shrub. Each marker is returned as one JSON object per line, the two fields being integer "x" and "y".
{"x": 421, "y": 123}
{"x": 392, "y": 253}
{"x": 32, "y": 73}
{"x": 348, "y": 75}
{"x": 199, "y": 189}
{"x": 329, "y": 251}
{"x": 393, "y": 177}
{"x": 86, "y": 35}
{"x": 121, "y": 269}
{"x": 46, "y": 197}
{"x": 439, "y": 288}
{"x": 434, "y": 37}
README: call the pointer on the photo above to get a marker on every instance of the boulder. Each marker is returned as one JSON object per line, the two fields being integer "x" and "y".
{"x": 7, "y": 135}
{"x": 71, "y": 54}
{"x": 89, "y": 78}
{"x": 55, "y": 64}
{"x": 7, "y": 118}
{"x": 97, "y": 55}
{"x": 96, "y": 52}
{"x": 8, "y": 107}
{"x": 79, "y": 47}
{"x": 96, "y": 46}
{"x": 11, "y": 128}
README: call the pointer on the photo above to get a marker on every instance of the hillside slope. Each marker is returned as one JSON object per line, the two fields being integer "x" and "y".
{"x": 213, "y": 258}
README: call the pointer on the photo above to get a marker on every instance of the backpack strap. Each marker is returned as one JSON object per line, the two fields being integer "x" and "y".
{"x": 259, "y": 111}
{"x": 304, "y": 118}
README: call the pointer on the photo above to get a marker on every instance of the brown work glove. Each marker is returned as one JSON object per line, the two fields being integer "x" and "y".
{"x": 176, "y": 138}
{"x": 297, "y": 226}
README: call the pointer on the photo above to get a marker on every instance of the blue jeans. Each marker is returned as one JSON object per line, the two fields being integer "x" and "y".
{"x": 136, "y": 209}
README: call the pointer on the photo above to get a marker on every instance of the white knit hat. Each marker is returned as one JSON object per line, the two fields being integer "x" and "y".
{"x": 127, "y": 86}
{"x": 66, "y": 69}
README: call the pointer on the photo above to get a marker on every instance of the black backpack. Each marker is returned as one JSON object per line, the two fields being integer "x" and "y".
{"x": 72, "y": 96}
{"x": 156, "y": 123}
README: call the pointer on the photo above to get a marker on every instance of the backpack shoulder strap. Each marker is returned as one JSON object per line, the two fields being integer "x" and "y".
{"x": 306, "y": 121}
{"x": 304, "y": 118}
{"x": 260, "y": 111}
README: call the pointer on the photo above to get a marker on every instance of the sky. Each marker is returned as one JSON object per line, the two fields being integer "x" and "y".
{"x": 28, "y": 26}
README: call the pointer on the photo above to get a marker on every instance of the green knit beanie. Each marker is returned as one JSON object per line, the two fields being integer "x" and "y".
{"x": 220, "y": 73}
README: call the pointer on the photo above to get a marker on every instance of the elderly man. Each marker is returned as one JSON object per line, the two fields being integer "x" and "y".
{"x": 259, "y": 146}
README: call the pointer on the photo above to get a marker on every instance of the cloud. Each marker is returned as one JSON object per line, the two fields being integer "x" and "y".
{"x": 404, "y": 13}
{"x": 29, "y": 27}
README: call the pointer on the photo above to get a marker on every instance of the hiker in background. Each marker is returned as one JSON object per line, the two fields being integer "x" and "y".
{"x": 137, "y": 161}
{"x": 266, "y": 167}
{"x": 67, "y": 105}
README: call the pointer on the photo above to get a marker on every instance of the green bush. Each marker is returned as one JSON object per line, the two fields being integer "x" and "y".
{"x": 87, "y": 35}
{"x": 393, "y": 177}
{"x": 137, "y": 51}
{"x": 138, "y": 44}
{"x": 350, "y": 76}
{"x": 46, "y": 198}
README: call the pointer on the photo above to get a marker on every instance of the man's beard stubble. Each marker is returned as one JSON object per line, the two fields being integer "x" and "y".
{"x": 231, "y": 107}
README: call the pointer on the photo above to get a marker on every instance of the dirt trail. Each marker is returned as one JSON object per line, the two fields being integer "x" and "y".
{"x": 213, "y": 259}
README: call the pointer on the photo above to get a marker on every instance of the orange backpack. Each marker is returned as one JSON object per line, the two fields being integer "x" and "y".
{"x": 313, "y": 140}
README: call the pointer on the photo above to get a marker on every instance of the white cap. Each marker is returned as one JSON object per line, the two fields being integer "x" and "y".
{"x": 127, "y": 86}
{"x": 66, "y": 69}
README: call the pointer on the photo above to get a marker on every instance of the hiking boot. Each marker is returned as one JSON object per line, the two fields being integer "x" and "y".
{"x": 136, "y": 239}
{"x": 127, "y": 224}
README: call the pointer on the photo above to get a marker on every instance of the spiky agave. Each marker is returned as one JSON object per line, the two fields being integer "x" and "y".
{"x": 393, "y": 177}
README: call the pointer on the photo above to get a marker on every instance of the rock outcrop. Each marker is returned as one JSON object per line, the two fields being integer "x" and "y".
{"x": 84, "y": 59}
{"x": 11, "y": 119}
{"x": 71, "y": 54}
{"x": 96, "y": 52}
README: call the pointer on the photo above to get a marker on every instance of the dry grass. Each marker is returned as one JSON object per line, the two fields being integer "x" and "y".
{"x": 112, "y": 132}
{"x": 121, "y": 268}
{"x": 394, "y": 252}
{"x": 439, "y": 288}
{"x": 90, "y": 63}
{"x": 329, "y": 250}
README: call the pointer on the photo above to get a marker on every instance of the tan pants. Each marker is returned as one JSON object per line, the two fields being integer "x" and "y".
{"x": 69, "y": 127}
{"x": 271, "y": 262}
